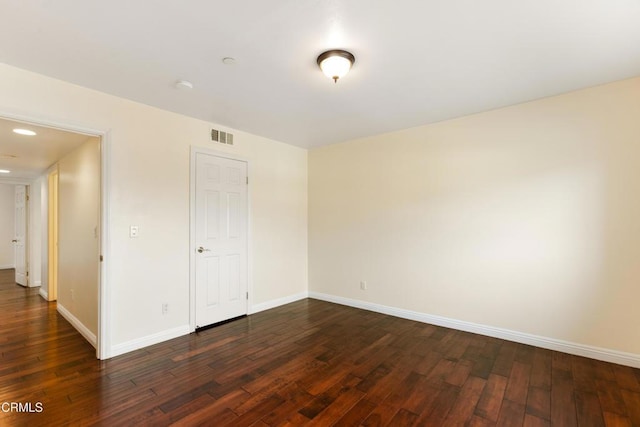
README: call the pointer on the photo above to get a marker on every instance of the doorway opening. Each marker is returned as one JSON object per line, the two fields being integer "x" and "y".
{"x": 65, "y": 169}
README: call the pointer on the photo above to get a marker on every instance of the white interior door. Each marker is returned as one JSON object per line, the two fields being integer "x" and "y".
{"x": 20, "y": 235}
{"x": 220, "y": 238}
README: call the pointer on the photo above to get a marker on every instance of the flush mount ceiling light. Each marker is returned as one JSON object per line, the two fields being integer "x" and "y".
{"x": 24, "y": 132}
{"x": 4, "y": 171}
{"x": 336, "y": 63}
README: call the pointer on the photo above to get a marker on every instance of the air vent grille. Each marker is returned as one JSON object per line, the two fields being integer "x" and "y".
{"x": 221, "y": 137}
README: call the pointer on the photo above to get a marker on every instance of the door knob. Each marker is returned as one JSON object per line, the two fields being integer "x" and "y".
{"x": 201, "y": 249}
{"x": 14, "y": 241}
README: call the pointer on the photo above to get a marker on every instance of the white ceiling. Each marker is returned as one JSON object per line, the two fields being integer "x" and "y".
{"x": 27, "y": 157}
{"x": 417, "y": 61}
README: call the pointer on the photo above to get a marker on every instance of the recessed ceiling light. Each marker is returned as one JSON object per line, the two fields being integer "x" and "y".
{"x": 24, "y": 132}
{"x": 228, "y": 60}
{"x": 4, "y": 171}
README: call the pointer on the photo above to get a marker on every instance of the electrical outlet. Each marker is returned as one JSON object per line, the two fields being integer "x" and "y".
{"x": 165, "y": 308}
{"x": 134, "y": 230}
{"x": 363, "y": 285}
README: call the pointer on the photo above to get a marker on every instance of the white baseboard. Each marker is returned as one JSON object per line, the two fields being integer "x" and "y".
{"x": 7, "y": 267}
{"x": 159, "y": 337}
{"x": 44, "y": 294}
{"x": 84, "y": 331}
{"x": 156, "y": 338}
{"x": 278, "y": 302}
{"x": 35, "y": 284}
{"x": 607, "y": 355}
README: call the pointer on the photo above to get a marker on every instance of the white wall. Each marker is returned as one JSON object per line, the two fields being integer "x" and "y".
{"x": 42, "y": 181}
{"x": 35, "y": 233}
{"x": 525, "y": 218}
{"x": 149, "y": 187}
{"x": 7, "y": 225}
{"x": 78, "y": 225}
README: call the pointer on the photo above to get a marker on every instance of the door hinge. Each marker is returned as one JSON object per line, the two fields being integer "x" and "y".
{"x": 27, "y": 197}
{"x": 101, "y": 258}
{"x": 247, "y": 180}
{"x": 247, "y": 295}
{"x": 27, "y": 274}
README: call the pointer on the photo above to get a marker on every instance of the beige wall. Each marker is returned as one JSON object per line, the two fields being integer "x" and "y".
{"x": 78, "y": 242}
{"x": 7, "y": 225}
{"x": 149, "y": 187}
{"x": 525, "y": 218}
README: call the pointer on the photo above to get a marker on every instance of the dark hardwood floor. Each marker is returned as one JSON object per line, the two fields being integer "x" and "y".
{"x": 306, "y": 363}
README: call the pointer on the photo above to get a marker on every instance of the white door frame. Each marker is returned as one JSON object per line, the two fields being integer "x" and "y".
{"x": 52, "y": 233}
{"x": 103, "y": 349}
{"x": 192, "y": 229}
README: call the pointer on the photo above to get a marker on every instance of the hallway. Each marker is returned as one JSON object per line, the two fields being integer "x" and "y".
{"x": 39, "y": 351}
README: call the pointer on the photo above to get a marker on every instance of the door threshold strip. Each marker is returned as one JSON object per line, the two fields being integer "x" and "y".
{"x": 213, "y": 325}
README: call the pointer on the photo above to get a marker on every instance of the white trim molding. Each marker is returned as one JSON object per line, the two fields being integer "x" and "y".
{"x": 7, "y": 267}
{"x": 598, "y": 353}
{"x": 138, "y": 343}
{"x": 278, "y": 302}
{"x": 104, "y": 289}
{"x": 84, "y": 331}
{"x": 44, "y": 294}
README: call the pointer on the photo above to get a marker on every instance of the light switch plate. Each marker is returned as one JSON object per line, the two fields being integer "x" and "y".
{"x": 133, "y": 231}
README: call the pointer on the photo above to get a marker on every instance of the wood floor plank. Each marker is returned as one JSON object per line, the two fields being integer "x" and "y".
{"x": 460, "y": 373}
{"x": 491, "y": 400}
{"x": 477, "y": 421}
{"x": 632, "y": 401}
{"x": 421, "y": 397}
{"x": 304, "y": 363}
{"x": 615, "y": 420}
{"x": 219, "y": 410}
{"x": 610, "y": 397}
{"x": 324, "y": 400}
{"x": 400, "y": 372}
{"x": 533, "y": 421}
{"x": 518, "y": 385}
{"x": 294, "y": 398}
{"x": 541, "y": 369}
{"x": 511, "y": 414}
{"x": 504, "y": 360}
{"x": 403, "y": 418}
{"x": 465, "y": 405}
{"x": 382, "y": 415}
{"x": 563, "y": 407}
{"x": 357, "y": 414}
{"x": 626, "y": 378}
{"x": 588, "y": 409}
{"x": 441, "y": 407}
{"x": 539, "y": 403}
{"x": 584, "y": 376}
